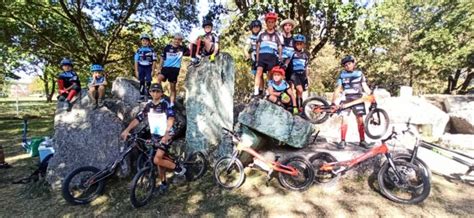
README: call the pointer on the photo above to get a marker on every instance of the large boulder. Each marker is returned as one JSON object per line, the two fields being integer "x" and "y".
{"x": 209, "y": 101}
{"x": 275, "y": 122}
{"x": 463, "y": 142}
{"x": 421, "y": 113}
{"x": 126, "y": 90}
{"x": 461, "y": 112}
{"x": 84, "y": 137}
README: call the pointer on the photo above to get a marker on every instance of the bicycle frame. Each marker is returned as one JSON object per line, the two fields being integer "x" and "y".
{"x": 275, "y": 165}
{"x": 381, "y": 149}
{"x": 328, "y": 109}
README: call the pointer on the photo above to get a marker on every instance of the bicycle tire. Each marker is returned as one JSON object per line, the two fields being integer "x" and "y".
{"x": 196, "y": 165}
{"x": 385, "y": 175}
{"x": 227, "y": 162}
{"x": 307, "y": 172}
{"x": 147, "y": 173}
{"x": 142, "y": 161}
{"x": 380, "y": 114}
{"x": 323, "y": 177}
{"x": 97, "y": 188}
{"x": 308, "y": 113}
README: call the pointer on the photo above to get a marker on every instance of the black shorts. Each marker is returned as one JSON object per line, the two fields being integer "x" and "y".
{"x": 267, "y": 61}
{"x": 298, "y": 79}
{"x": 170, "y": 73}
{"x": 358, "y": 109}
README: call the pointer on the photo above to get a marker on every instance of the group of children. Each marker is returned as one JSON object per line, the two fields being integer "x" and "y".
{"x": 282, "y": 56}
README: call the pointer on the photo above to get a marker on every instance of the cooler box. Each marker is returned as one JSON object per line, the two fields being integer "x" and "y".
{"x": 44, "y": 151}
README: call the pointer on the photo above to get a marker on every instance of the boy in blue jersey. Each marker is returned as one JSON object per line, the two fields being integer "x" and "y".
{"x": 269, "y": 49}
{"x": 97, "y": 84}
{"x": 206, "y": 45}
{"x": 145, "y": 64}
{"x": 352, "y": 84}
{"x": 279, "y": 91}
{"x": 251, "y": 48}
{"x": 298, "y": 68}
{"x": 160, "y": 116}
{"x": 287, "y": 27}
{"x": 170, "y": 63}
{"x": 68, "y": 83}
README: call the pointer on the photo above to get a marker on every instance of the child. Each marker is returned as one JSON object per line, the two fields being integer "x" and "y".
{"x": 353, "y": 83}
{"x": 206, "y": 45}
{"x": 298, "y": 68}
{"x": 279, "y": 90}
{"x": 145, "y": 64}
{"x": 268, "y": 50}
{"x": 97, "y": 85}
{"x": 68, "y": 83}
{"x": 288, "y": 43}
{"x": 171, "y": 61}
{"x": 251, "y": 44}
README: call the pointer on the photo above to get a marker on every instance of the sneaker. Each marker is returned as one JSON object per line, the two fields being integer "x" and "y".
{"x": 364, "y": 144}
{"x": 195, "y": 61}
{"x": 180, "y": 172}
{"x": 163, "y": 188}
{"x": 100, "y": 102}
{"x": 341, "y": 145}
{"x": 69, "y": 106}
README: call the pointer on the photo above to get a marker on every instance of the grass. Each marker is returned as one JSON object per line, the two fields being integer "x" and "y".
{"x": 203, "y": 197}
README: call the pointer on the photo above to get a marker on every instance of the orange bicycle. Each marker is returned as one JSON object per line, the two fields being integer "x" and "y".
{"x": 294, "y": 173}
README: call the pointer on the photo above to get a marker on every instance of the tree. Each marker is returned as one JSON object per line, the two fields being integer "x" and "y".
{"x": 88, "y": 32}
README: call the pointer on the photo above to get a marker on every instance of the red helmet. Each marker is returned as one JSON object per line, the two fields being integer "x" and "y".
{"x": 277, "y": 70}
{"x": 271, "y": 15}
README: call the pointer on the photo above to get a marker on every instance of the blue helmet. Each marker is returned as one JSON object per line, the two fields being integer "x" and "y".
{"x": 207, "y": 22}
{"x": 65, "y": 61}
{"x": 144, "y": 36}
{"x": 347, "y": 58}
{"x": 97, "y": 67}
{"x": 299, "y": 38}
{"x": 256, "y": 23}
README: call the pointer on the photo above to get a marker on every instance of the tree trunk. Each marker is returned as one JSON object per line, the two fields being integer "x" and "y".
{"x": 49, "y": 96}
{"x": 466, "y": 83}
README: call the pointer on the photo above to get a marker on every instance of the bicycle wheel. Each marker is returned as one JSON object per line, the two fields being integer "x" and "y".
{"x": 143, "y": 185}
{"x": 305, "y": 176}
{"x": 418, "y": 162}
{"x": 413, "y": 188}
{"x": 321, "y": 176}
{"x": 229, "y": 173}
{"x": 196, "y": 165}
{"x": 142, "y": 161}
{"x": 313, "y": 110}
{"x": 76, "y": 188}
{"x": 376, "y": 123}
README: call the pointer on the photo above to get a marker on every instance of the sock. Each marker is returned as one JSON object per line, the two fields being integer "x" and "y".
{"x": 343, "y": 132}
{"x": 142, "y": 87}
{"x": 299, "y": 102}
{"x": 361, "y": 132}
{"x": 164, "y": 182}
{"x": 256, "y": 90}
{"x": 71, "y": 95}
{"x": 148, "y": 85}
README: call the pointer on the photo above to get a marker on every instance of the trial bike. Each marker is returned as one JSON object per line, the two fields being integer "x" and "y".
{"x": 401, "y": 179}
{"x": 294, "y": 173}
{"x": 317, "y": 110}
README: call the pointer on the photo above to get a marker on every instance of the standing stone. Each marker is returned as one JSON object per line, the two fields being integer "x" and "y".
{"x": 83, "y": 137}
{"x": 461, "y": 113}
{"x": 209, "y": 101}
{"x": 275, "y": 122}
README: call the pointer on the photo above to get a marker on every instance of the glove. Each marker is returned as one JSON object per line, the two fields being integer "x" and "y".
{"x": 212, "y": 57}
{"x": 285, "y": 98}
{"x": 295, "y": 111}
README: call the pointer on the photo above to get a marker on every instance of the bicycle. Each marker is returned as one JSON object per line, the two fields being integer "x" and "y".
{"x": 86, "y": 183}
{"x": 144, "y": 182}
{"x": 317, "y": 111}
{"x": 294, "y": 173}
{"x": 395, "y": 176}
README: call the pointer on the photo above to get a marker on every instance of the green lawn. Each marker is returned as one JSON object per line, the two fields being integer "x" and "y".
{"x": 203, "y": 197}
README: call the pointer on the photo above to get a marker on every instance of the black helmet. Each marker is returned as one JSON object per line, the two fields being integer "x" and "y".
{"x": 256, "y": 23}
{"x": 156, "y": 87}
{"x": 347, "y": 58}
{"x": 207, "y": 23}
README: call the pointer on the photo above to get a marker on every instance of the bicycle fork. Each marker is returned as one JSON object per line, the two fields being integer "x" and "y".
{"x": 392, "y": 165}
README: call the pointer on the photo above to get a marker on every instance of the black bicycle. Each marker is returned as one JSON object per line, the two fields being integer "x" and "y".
{"x": 144, "y": 182}
{"x": 86, "y": 183}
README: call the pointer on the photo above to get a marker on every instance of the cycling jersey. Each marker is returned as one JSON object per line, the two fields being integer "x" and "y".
{"x": 282, "y": 87}
{"x": 98, "y": 81}
{"x": 145, "y": 56}
{"x": 299, "y": 62}
{"x": 288, "y": 47}
{"x": 69, "y": 78}
{"x": 252, "y": 42}
{"x": 163, "y": 107}
{"x": 351, "y": 82}
{"x": 172, "y": 56}
{"x": 269, "y": 42}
